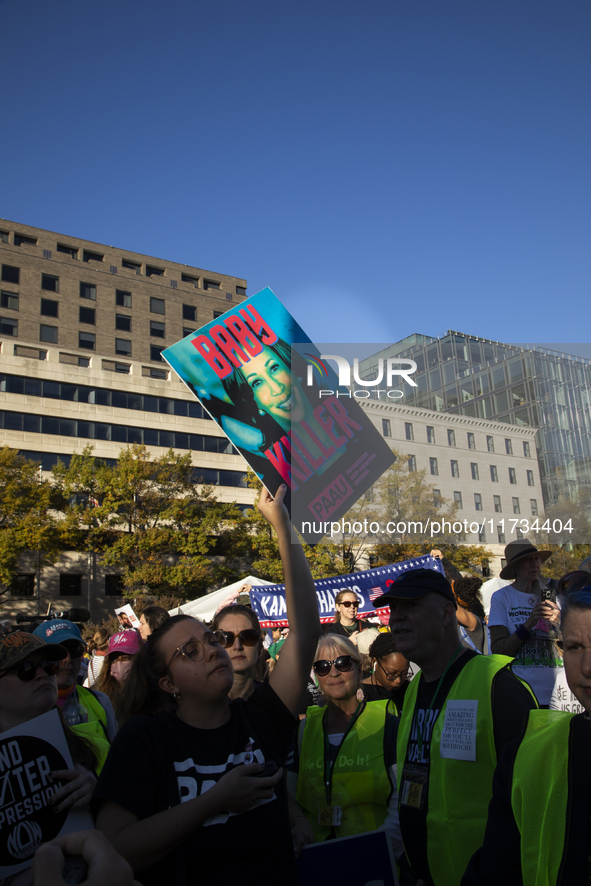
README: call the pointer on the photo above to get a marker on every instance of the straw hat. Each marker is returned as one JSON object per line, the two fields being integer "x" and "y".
{"x": 518, "y": 550}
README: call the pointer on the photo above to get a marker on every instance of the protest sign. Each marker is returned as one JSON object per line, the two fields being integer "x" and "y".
{"x": 127, "y": 618}
{"x": 28, "y": 753}
{"x": 363, "y": 860}
{"x": 242, "y": 368}
{"x": 269, "y": 602}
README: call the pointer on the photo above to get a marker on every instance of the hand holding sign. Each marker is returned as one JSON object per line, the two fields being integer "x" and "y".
{"x": 77, "y": 793}
{"x": 105, "y": 865}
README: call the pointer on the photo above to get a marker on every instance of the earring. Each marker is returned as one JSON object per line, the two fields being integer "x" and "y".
{"x": 261, "y": 411}
{"x": 176, "y": 695}
{"x": 360, "y": 695}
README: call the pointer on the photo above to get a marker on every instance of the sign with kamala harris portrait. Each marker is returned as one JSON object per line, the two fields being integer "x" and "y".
{"x": 263, "y": 381}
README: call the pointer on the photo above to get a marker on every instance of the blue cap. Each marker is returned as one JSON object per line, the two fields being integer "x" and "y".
{"x": 57, "y": 630}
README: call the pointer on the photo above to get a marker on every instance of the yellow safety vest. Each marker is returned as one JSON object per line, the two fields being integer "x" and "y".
{"x": 96, "y": 728}
{"x": 459, "y": 790}
{"x": 360, "y": 783}
{"x": 539, "y": 795}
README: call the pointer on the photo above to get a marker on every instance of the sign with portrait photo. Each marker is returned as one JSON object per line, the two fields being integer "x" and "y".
{"x": 127, "y": 618}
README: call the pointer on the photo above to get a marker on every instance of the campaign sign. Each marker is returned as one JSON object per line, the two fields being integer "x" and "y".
{"x": 268, "y": 601}
{"x": 244, "y": 371}
{"x": 363, "y": 860}
{"x": 28, "y": 753}
{"x": 127, "y": 618}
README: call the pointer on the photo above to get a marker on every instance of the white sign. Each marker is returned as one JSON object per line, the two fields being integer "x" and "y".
{"x": 458, "y": 738}
{"x": 127, "y": 618}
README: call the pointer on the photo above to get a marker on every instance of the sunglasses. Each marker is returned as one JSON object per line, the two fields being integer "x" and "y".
{"x": 343, "y": 664}
{"x": 75, "y": 650}
{"x": 348, "y": 603}
{"x": 248, "y": 637}
{"x": 26, "y": 670}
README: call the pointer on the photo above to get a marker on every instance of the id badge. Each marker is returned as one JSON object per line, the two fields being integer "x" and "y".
{"x": 330, "y": 816}
{"x": 413, "y": 791}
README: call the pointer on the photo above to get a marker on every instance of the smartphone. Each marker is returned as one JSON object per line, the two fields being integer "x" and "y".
{"x": 269, "y": 769}
{"x": 548, "y": 594}
{"x": 75, "y": 870}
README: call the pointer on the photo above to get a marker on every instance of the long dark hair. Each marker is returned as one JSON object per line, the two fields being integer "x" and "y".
{"x": 154, "y": 616}
{"x": 141, "y": 693}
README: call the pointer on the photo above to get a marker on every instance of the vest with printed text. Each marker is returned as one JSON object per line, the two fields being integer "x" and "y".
{"x": 95, "y": 731}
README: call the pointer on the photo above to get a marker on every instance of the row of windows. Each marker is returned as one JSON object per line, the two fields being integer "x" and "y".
{"x": 451, "y": 437}
{"x": 455, "y": 471}
{"x": 35, "y": 387}
{"x": 478, "y": 503}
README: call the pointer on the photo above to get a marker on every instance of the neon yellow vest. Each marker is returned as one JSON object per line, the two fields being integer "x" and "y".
{"x": 359, "y": 774}
{"x": 459, "y": 790}
{"x": 95, "y": 729}
{"x": 539, "y": 795}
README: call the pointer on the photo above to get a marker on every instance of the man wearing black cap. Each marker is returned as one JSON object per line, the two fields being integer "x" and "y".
{"x": 459, "y": 712}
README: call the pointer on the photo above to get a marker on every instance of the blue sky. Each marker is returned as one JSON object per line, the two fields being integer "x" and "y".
{"x": 385, "y": 166}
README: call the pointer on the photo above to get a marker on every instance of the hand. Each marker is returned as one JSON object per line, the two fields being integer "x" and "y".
{"x": 302, "y": 834}
{"x": 75, "y": 794}
{"x": 437, "y": 554}
{"x": 353, "y": 637}
{"x": 239, "y": 789}
{"x": 546, "y": 609}
{"x": 273, "y": 509}
{"x": 105, "y": 865}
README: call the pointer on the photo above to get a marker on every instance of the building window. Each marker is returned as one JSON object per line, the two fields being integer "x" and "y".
{"x": 490, "y": 444}
{"x": 386, "y": 427}
{"x": 187, "y": 331}
{"x": 70, "y": 584}
{"x": 433, "y": 467}
{"x": 157, "y": 329}
{"x": 158, "y": 373}
{"x": 49, "y": 308}
{"x": 10, "y": 274}
{"x": 408, "y": 430}
{"x": 113, "y": 585}
{"x": 9, "y": 300}
{"x": 494, "y": 474}
{"x": 211, "y": 284}
{"x": 229, "y": 296}
{"x": 516, "y": 509}
{"x": 471, "y": 441}
{"x": 156, "y": 353}
{"x": 123, "y": 347}
{"x": 455, "y": 468}
{"x": 458, "y": 500}
{"x": 87, "y": 340}
{"x": 48, "y": 334}
{"x": 194, "y": 281}
{"x": 3, "y": 236}
{"x": 533, "y": 503}
{"x": 512, "y": 477}
{"x": 526, "y": 449}
{"x": 22, "y": 239}
{"x": 88, "y": 290}
{"x": 530, "y": 478}
{"x": 412, "y": 463}
{"x": 8, "y": 327}
{"x": 123, "y": 322}
{"x": 217, "y": 314}
{"x": 50, "y": 283}
{"x": 478, "y": 501}
{"x": 508, "y": 446}
{"x": 437, "y": 498}
{"x": 87, "y": 315}
{"x": 451, "y": 438}
{"x": 482, "y": 535}
{"x": 157, "y": 305}
{"x": 497, "y": 504}
{"x": 123, "y": 299}
{"x": 474, "y": 469}
{"x": 500, "y": 535}
{"x": 22, "y": 585}
{"x": 241, "y": 290}
{"x": 151, "y": 271}
{"x": 131, "y": 266}
{"x": 430, "y": 434}
{"x": 87, "y": 255}
{"x": 67, "y": 250}
{"x": 190, "y": 313}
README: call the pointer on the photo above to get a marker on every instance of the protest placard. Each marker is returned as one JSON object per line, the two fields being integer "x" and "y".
{"x": 362, "y": 860}
{"x": 127, "y": 617}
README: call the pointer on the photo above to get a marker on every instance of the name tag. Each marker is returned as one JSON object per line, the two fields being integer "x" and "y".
{"x": 413, "y": 788}
{"x": 458, "y": 738}
{"x": 330, "y": 816}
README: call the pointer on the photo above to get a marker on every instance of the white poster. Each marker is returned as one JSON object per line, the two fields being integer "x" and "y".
{"x": 127, "y": 618}
{"x": 458, "y": 738}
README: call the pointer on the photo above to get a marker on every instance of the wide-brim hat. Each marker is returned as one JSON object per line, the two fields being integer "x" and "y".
{"x": 517, "y": 550}
{"x": 19, "y": 645}
{"x": 416, "y": 583}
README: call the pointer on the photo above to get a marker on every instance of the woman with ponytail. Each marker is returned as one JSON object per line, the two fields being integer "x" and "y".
{"x": 193, "y": 775}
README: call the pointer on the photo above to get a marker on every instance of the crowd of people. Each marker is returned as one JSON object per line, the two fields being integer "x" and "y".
{"x": 206, "y": 749}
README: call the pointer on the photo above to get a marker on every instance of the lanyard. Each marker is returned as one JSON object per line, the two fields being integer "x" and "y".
{"x": 433, "y": 699}
{"x": 328, "y": 766}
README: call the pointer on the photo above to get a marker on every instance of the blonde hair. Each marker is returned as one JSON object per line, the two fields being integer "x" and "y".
{"x": 342, "y": 644}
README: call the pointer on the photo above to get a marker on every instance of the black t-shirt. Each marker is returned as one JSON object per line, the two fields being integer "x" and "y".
{"x": 157, "y": 762}
{"x": 511, "y": 703}
{"x": 377, "y": 692}
{"x": 335, "y": 627}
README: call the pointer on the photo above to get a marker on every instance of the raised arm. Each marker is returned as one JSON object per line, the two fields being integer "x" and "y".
{"x": 290, "y": 675}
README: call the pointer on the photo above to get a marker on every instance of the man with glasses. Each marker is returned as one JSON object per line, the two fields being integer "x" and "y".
{"x": 88, "y": 712}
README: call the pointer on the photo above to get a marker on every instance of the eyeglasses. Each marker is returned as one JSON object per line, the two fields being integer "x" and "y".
{"x": 26, "y": 670}
{"x": 343, "y": 664}
{"x": 248, "y": 637}
{"x": 194, "y": 649}
{"x": 74, "y": 649}
{"x": 395, "y": 675}
{"x": 348, "y": 603}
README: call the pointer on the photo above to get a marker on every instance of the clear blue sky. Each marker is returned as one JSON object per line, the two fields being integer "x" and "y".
{"x": 385, "y": 166}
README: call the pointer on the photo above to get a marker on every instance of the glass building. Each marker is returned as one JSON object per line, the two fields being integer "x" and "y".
{"x": 533, "y": 386}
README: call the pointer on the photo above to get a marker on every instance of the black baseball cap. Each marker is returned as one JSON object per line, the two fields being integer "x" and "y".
{"x": 417, "y": 583}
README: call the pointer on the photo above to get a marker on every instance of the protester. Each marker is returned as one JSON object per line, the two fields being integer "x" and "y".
{"x": 351, "y": 745}
{"x": 346, "y": 623}
{"x": 390, "y": 672}
{"x": 244, "y": 645}
{"x": 445, "y": 789}
{"x": 98, "y": 646}
{"x": 470, "y": 612}
{"x": 89, "y": 712}
{"x": 105, "y": 866}
{"x": 122, "y": 648}
{"x": 524, "y": 625}
{"x": 150, "y": 619}
{"x": 538, "y": 824}
{"x": 210, "y": 753}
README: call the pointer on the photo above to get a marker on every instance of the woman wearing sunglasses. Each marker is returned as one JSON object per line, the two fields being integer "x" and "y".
{"x": 244, "y": 644}
{"x": 28, "y": 688}
{"x": 343, "y": 776}
{"x": 390, "y": 672}
{"x": 346, "y": 623}
{"x": 194, "y": 790}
